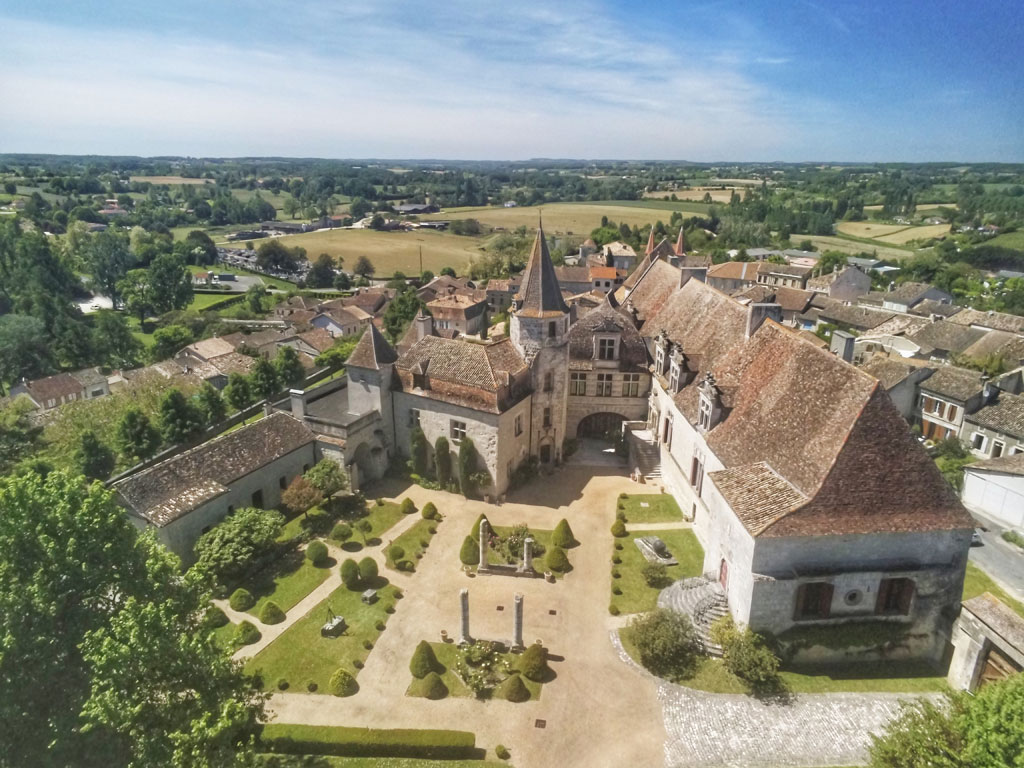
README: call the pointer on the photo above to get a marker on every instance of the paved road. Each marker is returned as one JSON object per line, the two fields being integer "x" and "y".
{"x": 1003, "y": 561}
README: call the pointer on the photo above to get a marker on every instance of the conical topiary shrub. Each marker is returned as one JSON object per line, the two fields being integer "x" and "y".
{"x": 470, "y": 552}
{"x": 562, "y": 536}
{"x": 429, "y": 511}
{"x": 367, "y": 570}
{"x": 247, "y": 634}
{"x": 350, "y": 574}
{"x": 557, "y": 560}
{"x": 430, "y": 687}
{"x": 271, "y": 613}
{"x": 618, "y": 529}
{"x": 514, "y": 689}
{"x": 423, "y": 660}
{"x": 342, "y": 683}
{"x": 534, "y": 662}
{"x": 241, "y": 600}
{"x": 408, "y": 507}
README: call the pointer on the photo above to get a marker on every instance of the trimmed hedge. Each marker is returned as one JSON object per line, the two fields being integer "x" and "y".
{"x": 534, "y": 662}
{"x": 430, "y": 687}
{"x": 618, "y": 529}
{"x": 408, "y": 507}
{"x": 342, "y": 683}
{"x": 470, "y": 552}
{"x": 316, "y": 552}
{"x": 350, "y": 574}
{"x": 286, "y": 738}
{"x": 247, "y": 634}
{"x": 513, "y": 689}
{"x": 395, "y": 553}
{"x": 424, "y": 661}
{"x": 341, "y": 532}
{"x": 367, "y": 570}
{"x": 429, "y": 511}
{"x": 557, "y": 560}
{"x": 562, "y": 535}
{"x": 271, "y": 613}
{"x": 241, "y": 600}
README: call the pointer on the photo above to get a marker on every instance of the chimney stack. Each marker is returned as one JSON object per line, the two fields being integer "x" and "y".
{"x": 424, "y": 325}
{"x": 842, "y": 345}
{"x": 758, "y": 312}
{"x": 298, "y": 398}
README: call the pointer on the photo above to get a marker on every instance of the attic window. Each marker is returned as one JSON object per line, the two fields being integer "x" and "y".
{"x": 704, "y": 413}
{"x": 606, "y": 349}
{"x": 673, "y": 381}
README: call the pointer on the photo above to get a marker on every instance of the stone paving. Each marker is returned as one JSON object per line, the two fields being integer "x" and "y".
{"x": 712, "y": 730}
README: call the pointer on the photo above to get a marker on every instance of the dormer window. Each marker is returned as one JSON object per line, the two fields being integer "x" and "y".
{"x": 673, "y": 377}
{"x": 708, "y": 409}
{"x": 704, "y": 414}
{"x": 659, "y": 360}
{"x": 606, "y": 349}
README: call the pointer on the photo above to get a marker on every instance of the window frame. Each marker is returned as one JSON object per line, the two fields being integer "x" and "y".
{"x": 604, "y": 384}
{"x": 517, "y": 425}
{"x": 607, "y": 348}
{"x": 546, "y": 417}
{"x": 578, "y": 383}
{"x": 457, "y": 433}
{"x": 631, "y": 385}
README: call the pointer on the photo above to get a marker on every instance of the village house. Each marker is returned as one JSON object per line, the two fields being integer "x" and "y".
{"x": 906, "y": 295}
{"x": 732, "y": 276}
{"x": 53, "y": 391}
{"x": 499, "y": 294}
{"x": 845, "y": 284}
{"x": 813, "y": 502}
{"x": 945, "y": 397}
{"x": 782, "y": 275}
{"x": 900, "y": 380}
{"x": 459, "y": 312}
{"x": 574, "y": 279}
{"x": 184, "y": 496}
{"x": 997, "y": 428}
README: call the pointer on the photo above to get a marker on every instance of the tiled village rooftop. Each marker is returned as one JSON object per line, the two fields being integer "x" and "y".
{"x": 1005, "y": 415}
{"x": 997, "y": 321}
{"x": 823, "y": 427}
{"x": 1010, "y": 465}
{"x": 958, "y": 384}
{"x": 176, "y": 486}
{"x": 632, "y": 351}
{"x": 888, "y": 371}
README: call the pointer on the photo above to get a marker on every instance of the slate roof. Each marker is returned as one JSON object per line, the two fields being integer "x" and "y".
{"x": 933, "y": 307}
{"x": 1010, "y": 465}
{"x": 1004, "y": 415}
{"x": 998, "y": 321}
{"x": 826, "y": 429}
{"x": 946, "y": 336}
{"x": 956, "y": 383}
{"x": 888, "y": 371}
{"x": 999, "y": 617}
{"x": 171, "y": 489}
{"x": 606, "y": 318}
{"x": 757, "y": 494}
{"x": 539, "y": 293}
{"x": 909, "y": 292}
{"x": 372, "y": 351}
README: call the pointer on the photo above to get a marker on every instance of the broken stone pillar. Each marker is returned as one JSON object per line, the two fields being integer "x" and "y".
{"x": 464, "y": 636}
{"x": 517, "y": 621}
{"x": 483, "y": 545}
{"x": 528, "y": 554}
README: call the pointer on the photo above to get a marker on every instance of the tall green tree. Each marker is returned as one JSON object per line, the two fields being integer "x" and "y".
{"x": 443, "y": 460}
{"x": 290, "y": 371}
{"x": 418, "y": 450}
{"x": 401, "y": 311}
{"x": 263, "y": 380}
{"x": 212, "y": 404}
{"x": 226, "y": 551}
{"x": 170, "y": 283}
{"x": 137, "y": 438}
{"x": 364, "y": 267}
{"x": 108, "y": 259}
{"x": 321, "y": 274}
{"x": 180, "y": 418}
{"x": 94, "y": 459}
{"x": 254, "y": 298}
{"x": 110, "y": 665}
{"x": 237, "y": 392}
{"x": 113, "y": 342}
{"x": 327, "y": 476}
{"x": 18, "y": 435}
{"x": 168, "y": 340}
{"x": 137, "y": 293}
{"x": 21, "y": 353}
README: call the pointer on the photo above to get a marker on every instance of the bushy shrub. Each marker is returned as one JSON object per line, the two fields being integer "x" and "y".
{"x": 341, "y": 532}
{"x": 405, "y": 565}
{"x": 556, "y": 560}
{"x": 397, "y": 593}
{"x": 616, "y": 589}
{"x": 618, "y": 546}
{"x": 215, "y": 617}
{"x": 470, "y": 552}
{"x": 429, "y": 511}
{"x": 467, "y": 467}
{"x": 666, "y": 643}
{"x": 380, "y": 502}
{"x": 407, "y": 507}
{"x": 380, "y": 625}
{"x": 350, "y": 574}
{"x": 316, "y": 552}
{"x": 616, "y": 573}
{"x": 655, "y": 574}
{"x": 247, "y": 634}
{"x": 228, "y": 550}
{"x": 282, "y": 684}
{"x": 443, "y": 461}
{"x": 431, "y": 686}
{"x": 618, "y": 529}
{"x": 616, "y": 559}
{"x": 395, "y": 553}
{"x": 620, "y": 514}
{"x": 502, "y": 752}
{"x": 342, "y": 683}
{"x": 562, "y": 535}
{"x": 241, "y": 600}
{"x": 534, "y": 662}
{"x": 423, "y": 661}
{"x": 357, "y": 663}
{"x": 513, "y": 689}
{"x": 368, "y": 645}
{"x": 311, "y": 686}
{"x": 367, "y": 570}
{"x": 271, "y": 613}
{"x": 745, "y": 653}
{"x": 613, "y": 609}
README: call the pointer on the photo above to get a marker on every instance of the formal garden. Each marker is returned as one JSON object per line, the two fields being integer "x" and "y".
{"x": 648, "y": 508}
{"x": 636, "y": 581}
{"x": 506, "y": 547}
{"x": 482, "y": 669}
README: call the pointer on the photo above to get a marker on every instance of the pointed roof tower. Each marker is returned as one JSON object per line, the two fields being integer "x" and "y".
{"x": 372, "y": 351}
{"x": 650, "y": 242}
{"x": 540, "y": 295}
{"x": 680, "y": 243}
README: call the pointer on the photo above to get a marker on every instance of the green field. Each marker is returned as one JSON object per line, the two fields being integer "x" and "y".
{"x": 637, "y": 595}
{"x": 853, "y": 246}
{"x": 650, "y": 508}
{"x": 1009, "y": 240}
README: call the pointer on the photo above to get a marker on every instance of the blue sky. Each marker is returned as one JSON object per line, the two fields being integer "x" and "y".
{"x": 714, "y": 80}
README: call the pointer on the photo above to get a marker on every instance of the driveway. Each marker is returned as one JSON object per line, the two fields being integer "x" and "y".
{"x": 1001, "y": 560}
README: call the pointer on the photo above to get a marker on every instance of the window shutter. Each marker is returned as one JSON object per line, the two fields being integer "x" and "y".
{"x": 906, "y": 595}
{"x": 825, "y": 592}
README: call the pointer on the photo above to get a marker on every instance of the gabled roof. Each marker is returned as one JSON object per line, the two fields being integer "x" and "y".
{"x": 606, "y": 319}
{"x": 789, "y": 270}
{"x": 53, "y": 388}
{"x": 1005, "y": 415}
{"x": 174, "y": 487}
{"x": 956, "y": 383}
{"x": 998, "y": 321}
{"x": 947, "y": 336}
{"x": 539, "y": 294}
{"x": 933, "y": 307}
{"x": 910, "y": 292}
{"x": 1008, "y": 465}
{"x": 888, "y": 371}
{"x": 734, "y": 270}
{"x": 372, "y": 351}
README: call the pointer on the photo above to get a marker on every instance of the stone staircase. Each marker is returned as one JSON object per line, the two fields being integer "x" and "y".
{"x": 703, "y": 601}
{"x": 645, "y": 454}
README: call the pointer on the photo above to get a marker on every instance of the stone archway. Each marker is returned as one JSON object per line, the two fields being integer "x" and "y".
{"x": 599, "y": 424}
{"x": 360, "y": 466}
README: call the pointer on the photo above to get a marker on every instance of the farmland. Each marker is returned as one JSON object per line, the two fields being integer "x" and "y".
{"x": 916, "y": 233}
{"x": 895, "y": 234}
{"x": 559, "y": 218}
{"x": 853, "y": 247}
{"x": 170, "y": 180}
{"x": 868, "y": 229}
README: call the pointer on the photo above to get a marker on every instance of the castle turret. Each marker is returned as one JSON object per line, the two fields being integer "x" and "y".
{"x": 369, "y": 370}
{"x": 539, "y": 328}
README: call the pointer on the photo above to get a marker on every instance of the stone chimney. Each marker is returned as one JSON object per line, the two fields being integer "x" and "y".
{"x": 695, "y": 273}
{"x": 988, "y": 389}
{"x": 424, "y": 325}
{"x": 298, "y": 398}
{"x": 757, "y": 313}
{"x": 842, "y": 345}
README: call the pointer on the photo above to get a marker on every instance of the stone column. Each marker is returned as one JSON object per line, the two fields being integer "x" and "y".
{"x": 483, "y": 545}
{"x": 528, "y": 554}
{"x": 464, "y": 636}
{"x": 517, "y": 621}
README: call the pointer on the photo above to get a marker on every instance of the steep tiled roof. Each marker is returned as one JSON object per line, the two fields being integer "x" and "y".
{"x": 956, "y": 383}
{"x": 998, "y": 321}
{"x": 210, "y": 348}
{"x": 1005, "y": 415}
{"x": 946, "y": 336}
{"x": 757, "y": 494}
{"x": 318, "y": 339}
{"x": 1004, "y": 344}
{"x": 606, "y": 319}
{"x": 734, "y": 270}
{"x": 792, "y": 299}
{"x": 651, "y": 289}
{"x": 539, "y": 293}
{"x": 908, "y": 291}
{"x": 173, "y": 488}
{"x": 887, "y": 370}
{"x": 372, "y": 351}
{"x": 233, "y": 362}
{"x": 862, "y": 318}
{"x": 933, "y": 307}
{"x": 1011, "y": 465}
{"x": 755, "y": 293}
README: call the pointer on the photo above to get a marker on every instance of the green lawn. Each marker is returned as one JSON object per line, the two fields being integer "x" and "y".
{"x": 381, "y": 519}
{"x": 447, "y": 653}
{"x": 301, "y": 655}
{"x": 1009, "y": 240}
{"x": 868, "y": 677}
{"x": 976, "y": 581}
{"x": 661, "y": 508}
{"x": 415, "y": 541}
{"x": 542, "y": 537}
{"x": 201, "y": 301}
{"x": 287, "y": 582}
{"x": 300, "y": 761}
{"x": 636, "y": 595}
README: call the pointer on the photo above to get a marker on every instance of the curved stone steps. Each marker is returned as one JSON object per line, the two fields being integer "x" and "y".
{"x": 703, "y": 601}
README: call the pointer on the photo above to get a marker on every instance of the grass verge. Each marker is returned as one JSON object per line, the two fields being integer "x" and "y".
{"x": 289, "y": 580}
{"x": 637, "y": 596}
{"x": 414, "y": 541}
{"x": 650, "y": 508}
{"x": 977, "y": 582}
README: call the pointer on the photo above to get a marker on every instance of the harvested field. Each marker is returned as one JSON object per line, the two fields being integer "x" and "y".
{"x": 389, "y": 251}
{"x": 916, "y": 233}
{"x": 829, "y": 243}
{"x": 560, "y": 218}
{"x": 868, "y": 228}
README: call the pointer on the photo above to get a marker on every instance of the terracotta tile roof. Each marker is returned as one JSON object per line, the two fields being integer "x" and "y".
{"x": 899, "y": 325}
{"x": 734, "y": 270}
{"x": 998, "y": 321}
{"x": 957, "y": 383}
{"x": 318, "y": 339}
{"x": 999, "y": 617}
{"x": 210, "y": 348}
{"x": 793, "y": 299}
{"x": 618, "y": 249}
{"x": 456, "y": 301}
{"x": 757, "y": 494}
{"x": 861, "y": 318}
{"x": 539, "y": 294}
{"x": 233, "y": 362}
{"x": 372, "y": 351}
{"x": 910, "y": 292}
{"x": 1005, "y": 415}
{"x": 173, "y": 488}
{"x": 789, "y": 270}
{"x": 257, "y": 339}
{"x": 606, "y": 319}
{"x": 946, "y": 336}
{"x": 933, "y": 307}
{"x": 888, "y": 371}
{"x": 651, "y": 289}
{"x": 54, "y": 388}
{"x": 1010, "y": 465}
{"x": 755, "y": 293}
{"x": 601, "y": 273}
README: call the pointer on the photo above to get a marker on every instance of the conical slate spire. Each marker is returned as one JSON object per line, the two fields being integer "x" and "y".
{"x": 680, "y": 243}
{"x": 650, "y": 242}
{"x": 540, "y": 295}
